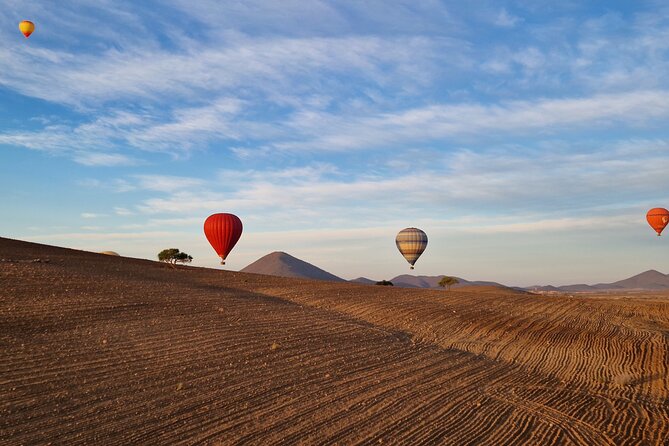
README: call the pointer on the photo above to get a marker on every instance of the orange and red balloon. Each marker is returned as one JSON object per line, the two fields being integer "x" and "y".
{"x": 223, "y": 232}
{"x": 658, "y": 218}
{"x": 27, "y": 27}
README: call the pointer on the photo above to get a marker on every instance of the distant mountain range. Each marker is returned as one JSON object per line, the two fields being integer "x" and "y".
{"x": 408, "y": 281}
{"x": 285, "y": 265}
{"x": 647, "y": 280}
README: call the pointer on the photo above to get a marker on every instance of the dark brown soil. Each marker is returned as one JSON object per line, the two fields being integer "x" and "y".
{"x": 96, "y": 349}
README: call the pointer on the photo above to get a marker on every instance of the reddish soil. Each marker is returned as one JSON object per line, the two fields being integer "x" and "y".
{"x": 96, "y": 349}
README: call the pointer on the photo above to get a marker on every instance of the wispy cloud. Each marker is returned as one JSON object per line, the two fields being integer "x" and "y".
{"x": 457, "y": 184}
{"x": 103, "y": 159}
{"x": 327, "y": 91}
{"x": 122, "y": 211}
{"x": 477, "y": 121}
{"x": 91, "y": 215}
{"x": 109, "y": 236}
{"x": 327, "y": 132}
{"x": 261, "y": 65}
{"x": 323, "y": 17}
{"x": 555, "y": 225}
{"x": 505, "y": 19}
{"x": 166, "y": 183}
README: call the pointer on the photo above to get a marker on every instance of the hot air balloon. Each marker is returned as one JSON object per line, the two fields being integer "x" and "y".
{"x": 223, "y": 232}
{"x": 27, "y": 27}
{"x": 658, "y": 219}
{"x": 411, "y": 242}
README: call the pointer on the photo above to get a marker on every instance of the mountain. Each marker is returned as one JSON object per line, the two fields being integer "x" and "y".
{"x": 647, "y": 280}
{"x": 281, "y": 264}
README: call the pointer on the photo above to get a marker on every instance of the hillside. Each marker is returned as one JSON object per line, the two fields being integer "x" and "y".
{"x": 284, "y": 265}
{"x": 100, "y": 349}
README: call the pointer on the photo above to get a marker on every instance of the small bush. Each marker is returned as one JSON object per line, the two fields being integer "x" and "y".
{"x": 385, "y": 283}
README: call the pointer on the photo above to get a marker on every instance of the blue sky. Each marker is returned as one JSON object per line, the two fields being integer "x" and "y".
{"x": 527, "y": 138}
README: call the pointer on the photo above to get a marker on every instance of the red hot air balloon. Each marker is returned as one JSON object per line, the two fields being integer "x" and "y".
{"x": 658, "y": 219}
{"x": 223, "y": 232}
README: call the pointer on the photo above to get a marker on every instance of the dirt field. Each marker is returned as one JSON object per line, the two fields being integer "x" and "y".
{"x": 96, "y": 349}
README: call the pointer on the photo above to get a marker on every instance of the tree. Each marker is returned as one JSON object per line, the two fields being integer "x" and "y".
{"x": 173, "y": 255}
{"x": 385, "y": 283}
{"x": 447, "y": 281}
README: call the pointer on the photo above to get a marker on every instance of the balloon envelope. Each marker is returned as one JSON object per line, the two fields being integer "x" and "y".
{"x": 658, "y": 219}
{"x": 27, "y": 27}
{"x": 223, "y": 232}
{"x": 411, "y": 242}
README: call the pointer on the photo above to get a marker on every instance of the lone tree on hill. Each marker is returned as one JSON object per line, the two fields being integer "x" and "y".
{"x": 447, "y": 281}
{"x": 385, "y": 283}
{"x": 173, "y": 255}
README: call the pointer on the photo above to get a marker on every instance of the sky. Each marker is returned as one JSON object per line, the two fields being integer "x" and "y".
{"x": 526, "y": 138}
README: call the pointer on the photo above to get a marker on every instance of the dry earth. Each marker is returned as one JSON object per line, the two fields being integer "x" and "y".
{"x": 108, "y": 350}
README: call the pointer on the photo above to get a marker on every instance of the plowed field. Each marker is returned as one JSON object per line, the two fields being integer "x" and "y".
{"x": 97, "y": 349}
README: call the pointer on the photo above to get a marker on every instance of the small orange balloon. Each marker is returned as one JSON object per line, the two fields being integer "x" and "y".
{"x": 27, "y": 27}
{"x": 658, "y": 218}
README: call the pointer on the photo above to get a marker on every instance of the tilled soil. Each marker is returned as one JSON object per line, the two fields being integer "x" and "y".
{"x": 97, "y": 349}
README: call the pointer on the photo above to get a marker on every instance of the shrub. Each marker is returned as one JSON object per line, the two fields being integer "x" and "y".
{"x": 447, "y": 281}
{"x": 385, "y": 283}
